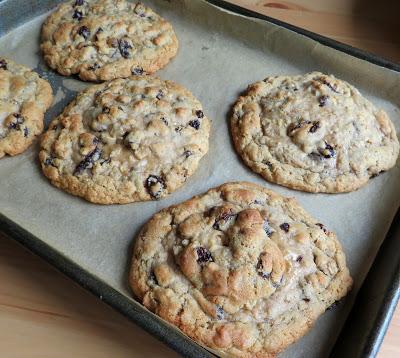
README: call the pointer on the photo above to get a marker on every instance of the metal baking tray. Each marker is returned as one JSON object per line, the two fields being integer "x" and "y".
{"x": 366, "y": 323}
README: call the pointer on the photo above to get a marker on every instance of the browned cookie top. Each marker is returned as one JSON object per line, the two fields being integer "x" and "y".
{"x": 106, "y": 39}
{"x": 24, "y": 98}
{"x": 240, "y": 269}
{"x": 313, "y": 132}
{"x": 126, "y": 140}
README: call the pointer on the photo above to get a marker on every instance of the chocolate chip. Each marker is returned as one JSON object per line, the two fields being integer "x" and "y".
{"x": 16, "y": 124}
{"x": 124, "y": 47}
{"x": 26, "y": 132}
{"x": 327, "y": 152}
{"x": 306, "y": 299}
{"x": 323, "y": 100}
{"x": 299, "y": 258}
{"x": 322, "y": 227}
{"x": 3, "y": 64}
{"x": 178, "y": 129}
{"x": 94, "y": 67}
{"x": 199, "y": 113}
{"x": 84, "y": 32}
{"x": 155, "y": 185}
{"x": 333, "y": 305}
{"x": 88, "y": 161}
{"x": 260, "y": 270}
{"x": 203, "y": 255}
{"x": 78, "y": 3}
{"x": 269, "y": 165}
{"x": 314, "y": 127}
{"x": 268, "y": 229}
{"x": 137, "y": 71}
{"x": 187, "y": 153}
{"x": 220, "y": 312}
{"x": 195, "y": 123}
{"x": 164, "y": 121}
{"x": 78, "y": 15}
{"x": 160, "y": 94}
{"x": 285, "y": 227}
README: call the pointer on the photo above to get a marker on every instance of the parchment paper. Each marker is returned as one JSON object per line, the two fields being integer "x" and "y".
{"x": 220, "y": 54}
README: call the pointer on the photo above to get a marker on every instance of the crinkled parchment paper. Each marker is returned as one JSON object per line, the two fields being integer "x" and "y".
{"x": 220, "y": 54}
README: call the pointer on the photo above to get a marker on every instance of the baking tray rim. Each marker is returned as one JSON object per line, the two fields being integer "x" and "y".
{"x": 143, "y": 318}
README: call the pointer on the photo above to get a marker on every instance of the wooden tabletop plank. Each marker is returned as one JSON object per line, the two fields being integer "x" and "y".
{"x": 44, "y": 314}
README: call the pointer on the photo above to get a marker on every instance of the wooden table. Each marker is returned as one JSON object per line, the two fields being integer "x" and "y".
{"x": 44, "y": 314}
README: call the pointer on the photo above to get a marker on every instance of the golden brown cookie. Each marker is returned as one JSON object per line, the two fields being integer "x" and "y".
{"x": 126, "y": 140}
{"x": 24, "y": 98}
{"x": 239, "y": 269}
{"x": 312, "y": 132}
{"x": 106, "y": 39}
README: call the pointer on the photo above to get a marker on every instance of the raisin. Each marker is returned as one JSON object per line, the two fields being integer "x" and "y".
{"x": 333, "y": 305}
{"x": 306, "y": 299}
{"x": 94, "y": 67}
{"x": 268, "y": 229}
{"x": 195, "y": 124}
{"x": 178, "y": 129}
{"x": 164, "y": 121}
{"x": 199, "y": 113}
{"x": 160, "y": 94}
{"x": 78, "y": 15}
{"x": 106, "y": 109}
{"x": 314, "y": 127}
{"x": 223, "y": 218}
{"x": 187, "y": 153}
{"x": 220, "y": 312}
{"x": 260, "y": 270}
{"x": 299, "y": 258}
{"x": 322, "y": 227}
{"x": 16, "y": 124}
{"x": 155, "y": 186}
{"x": 88, "y": 161}
{"x": 331, "y": 87}
{"x": 3, "y": 64}
{"x": 99, "y": 30}
{"x": 78, "y": 2}
{"x": 323, "y": 100}
{"x": 124, "y": 48}
{"x": 84, "y": 32}
{"x": 49, "y": 161}
{"x": 327, "y": 152}
{"x": 26, "y": 132}
{"x": 293, "y": 126}
{"x": 137, "y": 71}
{"x": 269, "y": 165}
{"x": 285, "y": 227}
{"x": 203, "y": 255}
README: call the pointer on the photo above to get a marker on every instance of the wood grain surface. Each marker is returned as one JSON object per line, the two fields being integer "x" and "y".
{"x": 44, "y": 314}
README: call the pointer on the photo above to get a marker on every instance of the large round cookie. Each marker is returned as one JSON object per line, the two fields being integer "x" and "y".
{"x": 106, "y": 39}
{"x": 312, "y": 132}
{"x": 126, "y": 140}
{"x": 24, "y": 98}
{"x": 240, "y": 269}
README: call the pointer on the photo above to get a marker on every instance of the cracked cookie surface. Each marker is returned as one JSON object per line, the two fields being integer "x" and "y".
{"x": 106, "y": 39}
{"x": 126, "y": 140}
{"x": 313, "y": 133}
{"x": 24, "y": 98}
{"x": 240, "y": 269}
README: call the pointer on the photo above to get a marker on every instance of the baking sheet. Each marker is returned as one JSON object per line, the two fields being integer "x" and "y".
{"x": 219, "y": 55}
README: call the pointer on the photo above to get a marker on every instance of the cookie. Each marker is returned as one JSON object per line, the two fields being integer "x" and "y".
{"x": 24, "y": 98}
{"x": 312, "y": 132}
{"x": 106, "y": 39}
{"x": 239, "y": 269}
{"x": 126, "y": 140}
